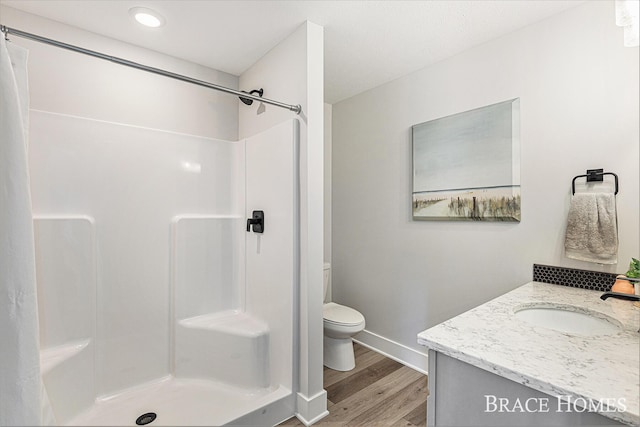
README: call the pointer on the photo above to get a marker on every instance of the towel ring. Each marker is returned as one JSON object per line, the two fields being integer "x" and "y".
{"x": 594, "y": 175}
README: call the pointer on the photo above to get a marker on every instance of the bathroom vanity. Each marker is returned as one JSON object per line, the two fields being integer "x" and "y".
{"x": 541, "y": 354}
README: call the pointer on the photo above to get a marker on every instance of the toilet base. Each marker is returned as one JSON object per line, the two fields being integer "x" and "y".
{"x": 338, "y": 354}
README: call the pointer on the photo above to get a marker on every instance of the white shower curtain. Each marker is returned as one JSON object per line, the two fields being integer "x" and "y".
{"x": 21, "y": 390}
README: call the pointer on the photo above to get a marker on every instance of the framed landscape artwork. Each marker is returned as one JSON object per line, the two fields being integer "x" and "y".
{"x": 467, "y": 166}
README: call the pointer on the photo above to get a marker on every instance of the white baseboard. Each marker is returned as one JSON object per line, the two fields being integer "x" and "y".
{"x": 393, "y": 350}
{"x": 313, "y": 409}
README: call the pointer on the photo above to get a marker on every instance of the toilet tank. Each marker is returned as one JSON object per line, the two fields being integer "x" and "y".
{"x": 326, "y": 271}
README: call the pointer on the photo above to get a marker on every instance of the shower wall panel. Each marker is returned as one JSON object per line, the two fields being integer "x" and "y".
{"x": 208, "y": 265}
{"x": 132, "y": 181}
{"x": 66, "y": 276}
{"x": 272, "y": 257}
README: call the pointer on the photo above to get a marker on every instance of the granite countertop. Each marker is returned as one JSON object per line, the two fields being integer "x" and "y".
{"x": 594, "y": 368}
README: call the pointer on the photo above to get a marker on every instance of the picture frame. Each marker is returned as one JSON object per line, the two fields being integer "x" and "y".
{"x": 466, "y": 166}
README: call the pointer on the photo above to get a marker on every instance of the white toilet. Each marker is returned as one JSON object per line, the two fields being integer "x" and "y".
{"x": 340, "y": 324}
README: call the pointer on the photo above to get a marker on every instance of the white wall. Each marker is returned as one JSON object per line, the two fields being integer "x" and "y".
{"x": 66, "y": 82}
{"x": 578, "y": 90}
{"x": 292, "y": 72}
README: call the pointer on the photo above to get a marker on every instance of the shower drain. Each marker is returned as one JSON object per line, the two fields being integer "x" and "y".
{"x": 145, "y": 419}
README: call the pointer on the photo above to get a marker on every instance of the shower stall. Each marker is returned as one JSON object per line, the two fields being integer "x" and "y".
{"x": 154, "y": 294}
{"x": 158, "y": 304}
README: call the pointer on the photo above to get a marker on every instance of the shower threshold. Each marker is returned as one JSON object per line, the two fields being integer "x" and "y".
{"x": 178, "y": 402}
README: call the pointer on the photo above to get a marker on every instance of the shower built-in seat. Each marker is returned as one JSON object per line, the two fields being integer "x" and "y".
{"x": 231, "y": 347}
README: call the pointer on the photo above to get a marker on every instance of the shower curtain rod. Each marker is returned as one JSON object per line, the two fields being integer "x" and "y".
{"x": 7, "y": 30}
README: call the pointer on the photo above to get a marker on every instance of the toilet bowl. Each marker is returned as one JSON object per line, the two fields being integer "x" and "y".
{"x": 340, "y": 324}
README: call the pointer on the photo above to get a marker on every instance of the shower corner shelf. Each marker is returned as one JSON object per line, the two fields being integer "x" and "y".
{"x": 54, "y": 356}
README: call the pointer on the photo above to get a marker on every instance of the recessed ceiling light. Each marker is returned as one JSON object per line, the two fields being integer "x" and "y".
{"x": 147, "y": 17}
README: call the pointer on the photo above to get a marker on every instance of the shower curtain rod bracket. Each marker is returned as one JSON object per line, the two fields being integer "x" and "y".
{"x": 7, "y": 30}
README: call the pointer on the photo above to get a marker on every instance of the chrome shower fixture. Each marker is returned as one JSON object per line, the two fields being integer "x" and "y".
{"x": 249, "y": 101}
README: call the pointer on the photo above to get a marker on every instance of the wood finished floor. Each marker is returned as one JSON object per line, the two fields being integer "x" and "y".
{"x": 378, "y": 392}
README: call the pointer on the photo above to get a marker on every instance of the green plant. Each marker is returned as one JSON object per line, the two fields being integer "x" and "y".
{"x": 634, "y": 269}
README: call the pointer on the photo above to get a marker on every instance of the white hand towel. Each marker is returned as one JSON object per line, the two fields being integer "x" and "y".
{"x": 592, "y": 228}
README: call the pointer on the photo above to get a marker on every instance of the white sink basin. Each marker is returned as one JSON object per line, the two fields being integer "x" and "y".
{"x": 568, "y": 319}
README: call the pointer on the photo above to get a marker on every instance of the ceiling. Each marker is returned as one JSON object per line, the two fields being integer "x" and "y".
{"x": 367, "y": 43}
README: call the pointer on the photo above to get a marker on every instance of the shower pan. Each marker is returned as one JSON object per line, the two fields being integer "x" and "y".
{"x": 156, "y": 305}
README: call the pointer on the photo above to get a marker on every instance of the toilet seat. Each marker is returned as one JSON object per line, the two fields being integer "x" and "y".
{"x": 340, "y": 315}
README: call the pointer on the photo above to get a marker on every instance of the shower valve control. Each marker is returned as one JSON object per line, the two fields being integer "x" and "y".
{"x": 257, "y": 221}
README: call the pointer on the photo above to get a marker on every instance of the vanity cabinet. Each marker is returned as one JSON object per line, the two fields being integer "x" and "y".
{"x": 464, "y": 395}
